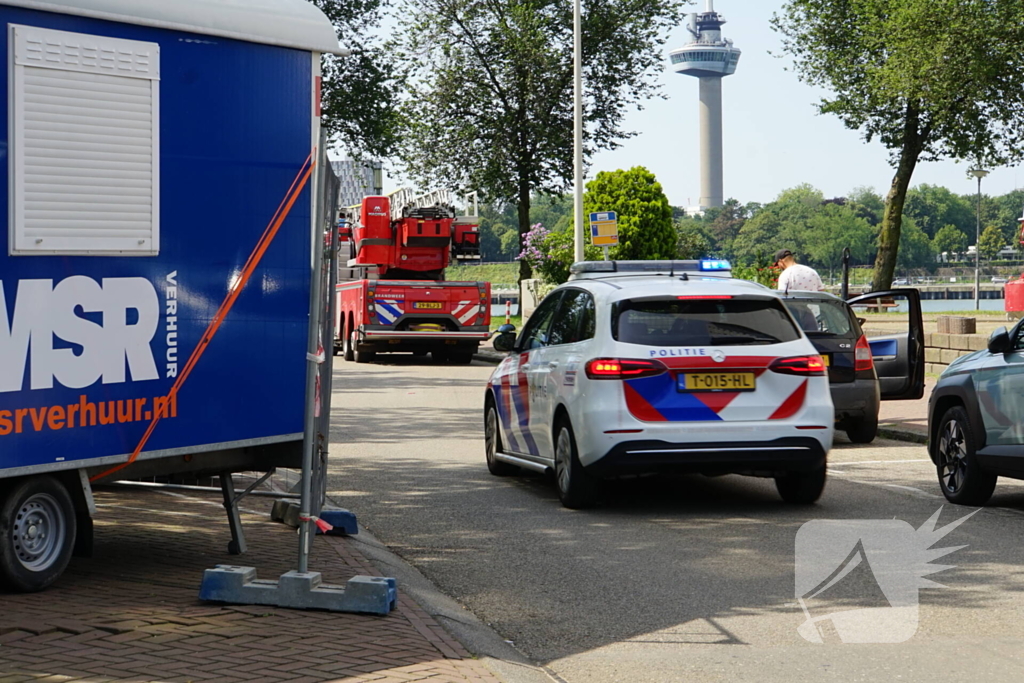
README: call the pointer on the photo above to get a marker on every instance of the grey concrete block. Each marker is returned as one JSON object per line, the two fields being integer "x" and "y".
{"x": 960, "y": 341}
{"x": 932, "y": 355}
{"x": 978, "y": 342}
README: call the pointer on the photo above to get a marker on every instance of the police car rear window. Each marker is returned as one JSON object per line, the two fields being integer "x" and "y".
{"x": 702, "y": 322}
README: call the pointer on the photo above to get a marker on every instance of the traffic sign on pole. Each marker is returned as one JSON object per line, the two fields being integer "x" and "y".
{"x": 604, "y": 229}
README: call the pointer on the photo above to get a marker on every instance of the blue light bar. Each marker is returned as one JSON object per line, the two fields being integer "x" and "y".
{"x": 715, "y": 264}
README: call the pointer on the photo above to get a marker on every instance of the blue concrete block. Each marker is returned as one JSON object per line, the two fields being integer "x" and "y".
{"x": 239, "y": 585}
{"x": 343, "y": 521}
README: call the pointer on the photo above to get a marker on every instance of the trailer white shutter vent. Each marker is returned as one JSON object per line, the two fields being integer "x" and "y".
{"x": 84, "y": 158}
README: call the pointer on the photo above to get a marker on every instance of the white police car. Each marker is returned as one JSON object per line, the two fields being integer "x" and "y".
{"x": 634, "y": 367}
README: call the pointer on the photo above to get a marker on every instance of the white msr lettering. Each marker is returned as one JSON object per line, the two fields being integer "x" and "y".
{"x": 84, "y": 313}
{"x": 171, "y": 324}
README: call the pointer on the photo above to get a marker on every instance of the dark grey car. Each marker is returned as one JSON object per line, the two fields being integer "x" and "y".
{"x": 976, "y": 419}
{"x": 862, "y": 370}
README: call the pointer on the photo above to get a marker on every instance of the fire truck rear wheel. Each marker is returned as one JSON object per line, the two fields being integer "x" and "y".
{"x": 460, "y": 357}
{"x": 37, "y": 533}
{"x": 440, "y": 355}
{"x": 357, "y": 355}
{"x": 348, "y": 353}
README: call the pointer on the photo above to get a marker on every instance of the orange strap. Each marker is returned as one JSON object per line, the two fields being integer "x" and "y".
{"x": 236, "y": 288}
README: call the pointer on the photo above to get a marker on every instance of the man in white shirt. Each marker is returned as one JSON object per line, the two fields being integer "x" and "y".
{"x": 795, "y": 277}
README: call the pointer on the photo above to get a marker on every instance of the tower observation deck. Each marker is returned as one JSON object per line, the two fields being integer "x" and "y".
{"x": 710, "y": 58}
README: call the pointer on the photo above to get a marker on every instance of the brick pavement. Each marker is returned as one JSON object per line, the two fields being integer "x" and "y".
{"x": 131, "y": 613}
{"x": 907, "y": 420}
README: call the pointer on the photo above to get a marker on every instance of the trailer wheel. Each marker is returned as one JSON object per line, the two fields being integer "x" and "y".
{"x": 37, "y": 533}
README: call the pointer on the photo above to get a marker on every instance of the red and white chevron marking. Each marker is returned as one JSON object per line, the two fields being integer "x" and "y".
{"x": 465, "y": 311}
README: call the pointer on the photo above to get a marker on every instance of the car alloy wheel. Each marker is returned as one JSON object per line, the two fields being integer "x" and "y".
{"x": 492, "y": 444}
{"x": 953, "y": 457}
{"x": 563, "y": 459}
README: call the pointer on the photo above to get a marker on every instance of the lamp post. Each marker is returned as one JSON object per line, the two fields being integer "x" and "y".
{"x": 577, "y": 129}
{"x": 978, "y": 173}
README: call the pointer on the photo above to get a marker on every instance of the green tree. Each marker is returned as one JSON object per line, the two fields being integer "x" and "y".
{"x": 359, "y": 92}
{"x": 692, "y": 241}
{"x": 496, "y": 222}
{"x": 991, "y": 242}
{"x": 916, "y": 250}
{"x": 783, "y": 223}
{"x": 644, "y": 215}
{"x": 934, "y": 207}
{"x": 1008, "y": 210}
{"x": 930, "y": 79}
{"x": 867, "y": 204}
{"x": 832, "y": 229}
{"x": 726, "y": 225}
{"x": 490, "y": 101}
{"x": 949, "y": 239}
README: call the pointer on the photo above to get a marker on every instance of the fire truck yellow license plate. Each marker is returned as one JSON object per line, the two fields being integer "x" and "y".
{"x": 433, "y": 305}
{"x": 717, "y": 381}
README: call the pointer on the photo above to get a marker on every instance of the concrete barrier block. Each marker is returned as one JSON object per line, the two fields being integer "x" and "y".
{"x": 239, "y": 585}
{"x": 978, "y": 342}
{"x": 928, "y": 339}
{"x": 935, "y": 368}
{"x": 960, "y": 341}
{"x": 940, "y": 341}
{"x": 932, "y": 355}
{"x": 950, "y": 355}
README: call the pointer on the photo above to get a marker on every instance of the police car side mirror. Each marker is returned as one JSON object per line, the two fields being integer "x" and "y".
{"x": 505, "y": 341}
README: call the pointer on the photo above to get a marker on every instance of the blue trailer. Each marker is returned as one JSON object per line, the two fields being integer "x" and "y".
{"x": 164, "y": 199}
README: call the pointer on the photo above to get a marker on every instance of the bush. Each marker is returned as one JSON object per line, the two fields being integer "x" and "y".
{"x": 550, "y": 254}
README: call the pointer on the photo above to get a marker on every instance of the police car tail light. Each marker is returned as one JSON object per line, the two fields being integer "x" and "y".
{"x": 806, "y": 366}
{"x": 623, "y": 368}
{"x": 862, "y": 355}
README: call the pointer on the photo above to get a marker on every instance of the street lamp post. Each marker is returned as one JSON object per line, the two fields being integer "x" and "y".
{"x": 978, "y": 173}
{"x": 577, "y": 143}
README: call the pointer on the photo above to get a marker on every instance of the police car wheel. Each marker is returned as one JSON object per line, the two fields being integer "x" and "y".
{"x": 576, "y": 488}
{"x": 492, "y": 443}
{"x": 37, "y": 533}
{"x": 801, "y": 488}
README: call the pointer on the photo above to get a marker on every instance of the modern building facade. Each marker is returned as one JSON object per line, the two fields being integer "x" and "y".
{"x": 708, "y": 57}
{"x": 358, "y": 179}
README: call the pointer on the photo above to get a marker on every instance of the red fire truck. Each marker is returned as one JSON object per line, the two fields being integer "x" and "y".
{"x": 392, "y": 295}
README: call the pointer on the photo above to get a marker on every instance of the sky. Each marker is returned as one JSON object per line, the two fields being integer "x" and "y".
{"x": 774, "y": 138}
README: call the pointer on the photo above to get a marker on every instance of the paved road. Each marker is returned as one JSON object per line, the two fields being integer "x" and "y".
{"x": 687, "y": 579}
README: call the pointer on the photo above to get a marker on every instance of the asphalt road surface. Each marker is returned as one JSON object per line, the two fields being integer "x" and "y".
{"x": 677, "y": 579}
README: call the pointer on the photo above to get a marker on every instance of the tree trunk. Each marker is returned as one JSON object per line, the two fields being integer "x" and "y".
{"x": 525, "y": 272}
{"x": 892, "y": 217}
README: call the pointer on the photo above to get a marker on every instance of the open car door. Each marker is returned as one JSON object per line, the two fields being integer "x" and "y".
{"x": 891, "y": 320}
